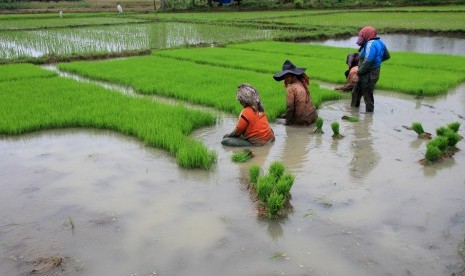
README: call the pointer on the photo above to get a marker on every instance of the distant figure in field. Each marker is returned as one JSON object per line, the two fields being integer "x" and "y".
{"x": 61, "y": 14}
{"x": 351, "y": 73}
{"x": 120, "y": 9}
{"x": 252, "y": 127}
{"x": 372, "y": 53}
{"x": 300, "y": 109}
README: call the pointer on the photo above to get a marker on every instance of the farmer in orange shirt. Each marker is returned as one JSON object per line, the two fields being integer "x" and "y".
{"x": 252, "y": 127}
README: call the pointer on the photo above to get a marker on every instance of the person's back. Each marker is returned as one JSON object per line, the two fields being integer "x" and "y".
{"x": 255, "y": 126}
{"x": 372, "y": 54}
{"x": 304, "y": 109}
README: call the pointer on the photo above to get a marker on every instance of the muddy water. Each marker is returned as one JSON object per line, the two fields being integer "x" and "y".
{"x": 362, "y": 205}
{"x": 410, "y": 43}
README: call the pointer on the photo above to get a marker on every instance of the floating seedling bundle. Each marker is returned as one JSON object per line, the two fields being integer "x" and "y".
{"x": 418, "y": 128}
{"x": 335, "y": 128}
{"x": 443, "y": 145}
{"x": 271, "y": 190}
{"x": 242, "y": 156}
{"x": 319, "y": 125}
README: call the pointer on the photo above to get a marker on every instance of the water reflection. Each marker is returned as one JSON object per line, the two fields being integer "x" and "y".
{"x": 365, "y": 157}
{"x": 120, "y": 38}
{"x": 409, "y": 43}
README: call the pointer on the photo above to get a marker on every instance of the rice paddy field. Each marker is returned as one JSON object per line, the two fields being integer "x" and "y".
{"x": 115, "y": 166}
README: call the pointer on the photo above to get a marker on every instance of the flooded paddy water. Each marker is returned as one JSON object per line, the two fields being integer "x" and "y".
{"x": 362, "y": 205}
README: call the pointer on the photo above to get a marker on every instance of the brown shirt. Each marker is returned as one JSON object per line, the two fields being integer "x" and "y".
{"x": 300, "y": 109}
{"x": 351, "y": 80}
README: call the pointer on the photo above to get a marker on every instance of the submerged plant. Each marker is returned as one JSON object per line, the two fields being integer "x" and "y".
{"x": 254, "y": 173}
{"x": 335, "y": 128}
{"x": 319, "y": 125}
{"x": 242, "y": 156}
{"x": 350, "y": 118}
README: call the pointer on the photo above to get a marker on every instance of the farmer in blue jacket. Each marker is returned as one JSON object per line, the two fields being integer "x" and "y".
{"x": 372, "y": 53}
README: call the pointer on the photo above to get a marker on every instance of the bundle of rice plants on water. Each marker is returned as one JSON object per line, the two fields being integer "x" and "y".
{"x": 272, "y": 189}
{"x": 433, "y": 153}
{"x": 418, "y": 128}
{"x": 350, "y": 118}
{"x": 242, "y": 156}
{"x": 319, "y": 125}
{"x": 454, "y": 126}
{"x": 335, "y": 128}
{"x": 254, "y": 173}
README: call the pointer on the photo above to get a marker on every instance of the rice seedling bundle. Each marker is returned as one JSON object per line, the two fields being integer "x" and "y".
{"x": 53, "y": 102}
{"x": 433, "y": 153}
{"x": 273, "y": 188}
{"x": 319, "y": 125}
{"x": 275, "y": 203}
{"x": 254, "y": 173}
{"x": 242, "y": 156}
{"x": 454, "y": 126}
{"x": 335, "y": 128}
{"x": 350, "y": 118}
{"x": 418, "y": 128}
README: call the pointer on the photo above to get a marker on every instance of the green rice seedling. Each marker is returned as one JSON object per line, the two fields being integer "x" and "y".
{"x": 418, "y": 128}
{"x": 432, "y": 153}
{"x": 335, "y": 128}
{"x": 254, "y": 174}
{"x": 265, "y": 186}
{"x": 441, "y": 142}
{"x": 284, "y": 185}
{"x": 40, "y": 103}
{"x": 242, "y": 156}
{"x": 441, "y": 131}
{"x": 350, "y": 118}
{"x": 452, "y": 138}
{"x": 275, "y": 202}
{"x": 276, "y": 170}
{"x": 454, "y": 126}
{"x": 319, "y": 125}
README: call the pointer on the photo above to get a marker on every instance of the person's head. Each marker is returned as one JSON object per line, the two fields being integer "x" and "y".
{"x": 247, "y": 96}
{"x": 352, "y": 60}
{"x": 289, "y": 72}
{"x": 366, "y": 33}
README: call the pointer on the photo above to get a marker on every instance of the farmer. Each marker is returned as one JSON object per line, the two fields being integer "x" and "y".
{"x": 252, "y": 127}
{"x": 372, "y": 53}
{"x": 300, "y": 109}
{"x": 351, "y": 74}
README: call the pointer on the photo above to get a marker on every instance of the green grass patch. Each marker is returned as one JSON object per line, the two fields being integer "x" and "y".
{"x": 22, "y": 72}
{"x": 197, "y": 83}
{"x": 36, "y": 103}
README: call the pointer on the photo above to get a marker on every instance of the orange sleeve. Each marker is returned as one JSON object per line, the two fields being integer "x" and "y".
{"x": 243, "y": 122}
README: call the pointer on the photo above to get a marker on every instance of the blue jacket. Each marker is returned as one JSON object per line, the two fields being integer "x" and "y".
{"x": 372, "y": 54}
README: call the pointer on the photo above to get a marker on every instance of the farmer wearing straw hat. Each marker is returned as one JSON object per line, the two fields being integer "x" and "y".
{"x": 300, "y": 109}
{"x": 372, "y": 53}
{"x": 252, "y": 127}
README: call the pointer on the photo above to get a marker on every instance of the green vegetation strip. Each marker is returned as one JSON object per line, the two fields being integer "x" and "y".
{"x": 197, "y": 83}
{"x": 22, "y": 72}
{"x": 411, "y": 73}
{"x": 38, "y": 103}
